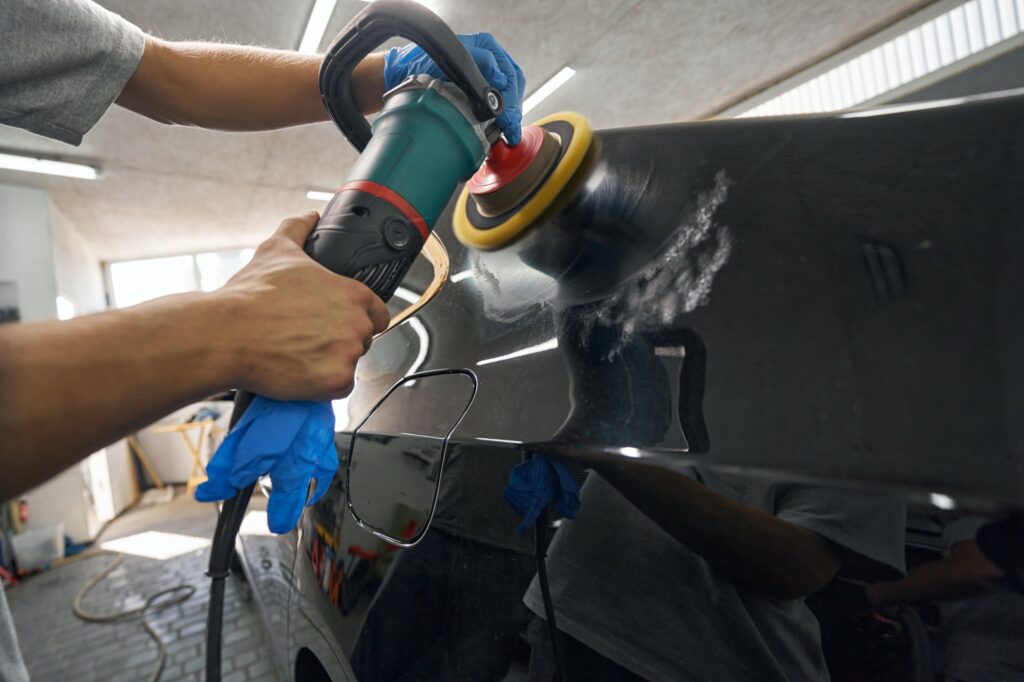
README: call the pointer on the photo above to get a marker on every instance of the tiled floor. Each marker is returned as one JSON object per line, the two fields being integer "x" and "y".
{"x": 58, "y": 646}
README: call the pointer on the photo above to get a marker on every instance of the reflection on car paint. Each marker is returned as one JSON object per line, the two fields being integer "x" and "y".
{"x": 798, "y": 301}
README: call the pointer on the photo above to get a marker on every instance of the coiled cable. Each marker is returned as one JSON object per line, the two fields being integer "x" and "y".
{"x": 180, "y": 594}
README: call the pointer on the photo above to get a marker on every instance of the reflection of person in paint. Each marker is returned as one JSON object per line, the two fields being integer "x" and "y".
{"x": 981, "y": 629}
{"x": 451, "y": 606}
{"x": 696, "y": 574}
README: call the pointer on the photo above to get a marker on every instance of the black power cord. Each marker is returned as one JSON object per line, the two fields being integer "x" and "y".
{"x": 541, "y": 546}
{"x": 230, "y": 520}
{"x": 221, "y": 552}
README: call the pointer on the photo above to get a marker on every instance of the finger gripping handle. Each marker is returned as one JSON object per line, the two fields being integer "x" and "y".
{"x": 378, "y": 22}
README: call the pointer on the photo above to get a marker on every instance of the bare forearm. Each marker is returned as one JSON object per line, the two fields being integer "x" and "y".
{"x": 70, "y": 388}
{"x": 233, "y": 87}
{"x": 964, "y": 574}
{"x": 283, "y": 327}
{"x": 753, "y": 547}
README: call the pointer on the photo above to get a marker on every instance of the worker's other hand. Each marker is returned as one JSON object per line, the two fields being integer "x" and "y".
{"x": 494, "y": 62}
{"x": 298, "y": 328}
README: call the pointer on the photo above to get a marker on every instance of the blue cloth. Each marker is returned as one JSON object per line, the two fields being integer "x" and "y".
{"x": 497, "y": 67}
{"x": 538, "y": 482}
{"x": 292, "y": 441}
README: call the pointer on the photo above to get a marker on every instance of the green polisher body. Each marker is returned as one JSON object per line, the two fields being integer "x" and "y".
{"x": 425, "y": 142}
{"x": 431, "y": 135}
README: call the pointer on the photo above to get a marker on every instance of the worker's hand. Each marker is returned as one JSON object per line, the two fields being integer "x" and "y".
{"x": 299, "y": 327}
{"x": 495, "y": 64}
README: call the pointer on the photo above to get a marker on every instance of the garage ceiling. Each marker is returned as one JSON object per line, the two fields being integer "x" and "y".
{"x": 177, "y": 190}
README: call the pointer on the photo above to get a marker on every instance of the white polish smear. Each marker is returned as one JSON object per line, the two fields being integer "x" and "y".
{"x": 510, "y": 291}
{"x": 674, "y": 283}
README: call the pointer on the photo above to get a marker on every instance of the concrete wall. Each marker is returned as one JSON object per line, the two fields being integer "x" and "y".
{"x": 79, "y": 277}
{"x": 46, "y": 257}
{"x": 26, "y": 250}
{"x": 79, "y": 274}
{"x": 26, "y": 257}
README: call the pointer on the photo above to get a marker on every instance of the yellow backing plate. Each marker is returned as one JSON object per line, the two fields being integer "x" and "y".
{"x": 492, "y": 238}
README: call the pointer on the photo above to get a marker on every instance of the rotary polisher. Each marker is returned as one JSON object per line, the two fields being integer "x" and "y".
{"x": 430, "y": 136}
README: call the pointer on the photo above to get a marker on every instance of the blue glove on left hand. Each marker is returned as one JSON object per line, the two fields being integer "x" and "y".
{"x": 495, "y": 64}
{"x": 293, "y": 441}
{"x": 538, "y": 482}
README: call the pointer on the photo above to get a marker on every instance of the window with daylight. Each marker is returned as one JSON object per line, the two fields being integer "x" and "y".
{"x": 136, "y": 281}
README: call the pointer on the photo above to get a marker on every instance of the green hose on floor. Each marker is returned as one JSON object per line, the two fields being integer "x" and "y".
{"x": 181, "y": 592}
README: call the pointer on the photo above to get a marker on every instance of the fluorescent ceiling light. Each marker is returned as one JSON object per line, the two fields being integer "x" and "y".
{"x": 942, "y": 501}
{"x": 154, "y": 544}
{"x": 319, "y": 17}
{"x": 418, "y": 329}
{"x": 424, "y": 339}
{"x": 874, "y": 70}
{"x": 545, "y": 90}
{"x": 29, "y": 164}
{"x": 319, "y": 196}
{"x": 550, "y": 344}
{"x": 406, "y": 295}
{"x": 459, "y": 276}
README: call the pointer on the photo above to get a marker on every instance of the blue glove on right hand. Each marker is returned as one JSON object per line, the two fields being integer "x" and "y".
{"x": 495, "y": 64}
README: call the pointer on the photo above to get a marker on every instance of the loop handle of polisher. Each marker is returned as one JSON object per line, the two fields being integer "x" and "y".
{"x": 378, "y": 22}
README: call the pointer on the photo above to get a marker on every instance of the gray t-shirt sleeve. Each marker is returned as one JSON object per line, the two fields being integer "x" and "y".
{"x": 870, "y": 524}
{"x": 62, "y": 64}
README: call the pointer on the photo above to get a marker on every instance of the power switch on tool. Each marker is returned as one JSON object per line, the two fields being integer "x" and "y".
{"x": 397, "y": 233}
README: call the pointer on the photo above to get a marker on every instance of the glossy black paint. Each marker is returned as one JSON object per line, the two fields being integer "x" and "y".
{"x": 834, "y": 298}
{"x": 865, "y": 323}
{"x": 408, "y": 462}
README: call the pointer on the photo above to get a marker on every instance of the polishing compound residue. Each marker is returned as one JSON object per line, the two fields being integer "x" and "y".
{"x": 677, "y": 281}
{"x": 509, "y": 290}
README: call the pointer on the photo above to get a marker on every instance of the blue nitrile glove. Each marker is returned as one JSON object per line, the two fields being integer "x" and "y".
{"x": 293, "y": 441}
{"x": 538, "y": 482}
{"x": 495, "y": 64}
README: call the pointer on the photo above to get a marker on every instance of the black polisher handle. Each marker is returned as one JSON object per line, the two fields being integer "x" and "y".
{"x": 386, "y": 19}
{"x": 367, "y": 239}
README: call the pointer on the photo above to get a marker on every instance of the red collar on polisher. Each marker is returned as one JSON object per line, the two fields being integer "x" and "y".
{"x": 504, "y": 163}
{"x": 509, "y": 174}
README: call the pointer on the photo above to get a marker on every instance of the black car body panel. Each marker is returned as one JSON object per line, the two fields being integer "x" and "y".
{"x": 834, "y": 298}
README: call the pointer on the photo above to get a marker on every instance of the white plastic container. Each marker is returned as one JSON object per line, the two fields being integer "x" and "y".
{"x": 37, "y": 547}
